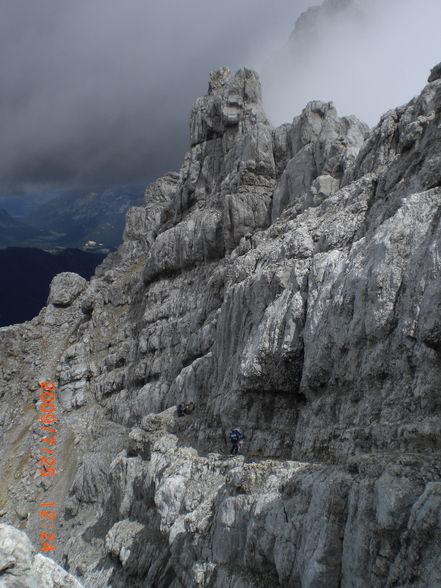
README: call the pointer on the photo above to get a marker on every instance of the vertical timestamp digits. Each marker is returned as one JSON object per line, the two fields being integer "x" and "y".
{"x": 47, "y": 461}
{"x": 45, "y": 537}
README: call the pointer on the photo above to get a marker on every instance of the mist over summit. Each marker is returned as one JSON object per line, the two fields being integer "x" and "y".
{"x": 366, "y": 56}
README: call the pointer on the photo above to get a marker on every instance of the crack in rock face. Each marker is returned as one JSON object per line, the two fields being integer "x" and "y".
{"x": 285, "y": 281}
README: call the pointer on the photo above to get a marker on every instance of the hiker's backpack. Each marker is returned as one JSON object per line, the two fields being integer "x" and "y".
{"x": 236, "y": 435}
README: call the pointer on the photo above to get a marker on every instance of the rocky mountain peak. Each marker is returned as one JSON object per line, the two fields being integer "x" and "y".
{"x": 310, "y": 21}
{"x": 231, "y": 101}
{"x": 286, "y": 281}
{"x": 435, "y": 73}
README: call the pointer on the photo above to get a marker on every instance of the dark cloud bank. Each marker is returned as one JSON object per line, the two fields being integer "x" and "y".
{"x": 99, "y": 91}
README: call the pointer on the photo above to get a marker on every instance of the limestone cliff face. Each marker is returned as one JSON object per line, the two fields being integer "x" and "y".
{"x": 287, "y": 281}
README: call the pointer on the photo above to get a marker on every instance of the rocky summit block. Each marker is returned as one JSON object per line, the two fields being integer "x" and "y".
{"x": 287, "y": 282}
{"x": 65, "y": 288}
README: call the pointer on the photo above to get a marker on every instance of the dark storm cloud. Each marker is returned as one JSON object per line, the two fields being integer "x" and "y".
{"x": 99, "y": 91}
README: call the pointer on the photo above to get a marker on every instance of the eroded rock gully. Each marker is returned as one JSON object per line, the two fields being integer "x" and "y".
{"x": 287, "y": 281}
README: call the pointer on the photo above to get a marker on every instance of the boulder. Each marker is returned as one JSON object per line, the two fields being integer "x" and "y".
{"x": 65, "y": 289}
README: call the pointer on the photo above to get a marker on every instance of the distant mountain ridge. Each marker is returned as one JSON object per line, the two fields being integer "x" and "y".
{"x": 82, "y": 216}
{"x": 70, "y": 219}
{"x": 21, "y": 205}
{"x": 13, "y": 230}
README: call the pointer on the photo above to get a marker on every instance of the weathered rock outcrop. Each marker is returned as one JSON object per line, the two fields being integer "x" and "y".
{"x": 287, "y": 281}
{"x": 20, "y": 566}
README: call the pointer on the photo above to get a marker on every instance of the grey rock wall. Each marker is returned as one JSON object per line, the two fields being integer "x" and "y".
{"x": 287, "y": 281}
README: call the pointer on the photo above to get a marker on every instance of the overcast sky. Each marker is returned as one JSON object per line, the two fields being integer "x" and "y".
{"x": 98, "y": 92}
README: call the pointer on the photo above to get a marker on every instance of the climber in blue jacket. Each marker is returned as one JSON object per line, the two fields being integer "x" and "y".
{"x": 236, "y": 435}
